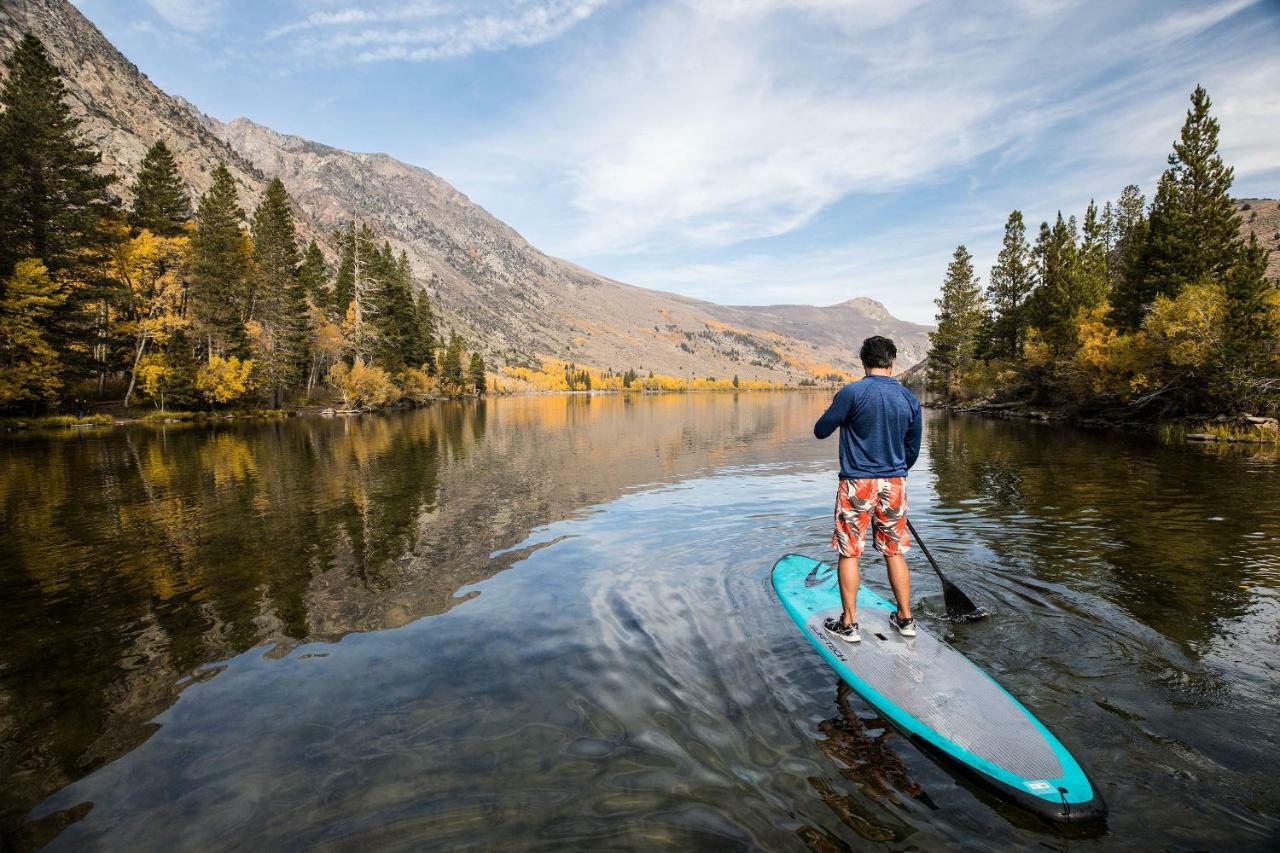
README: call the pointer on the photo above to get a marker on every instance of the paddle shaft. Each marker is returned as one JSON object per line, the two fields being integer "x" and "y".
{"x": 959, "y": 605}
{"x": 927, "y": 555}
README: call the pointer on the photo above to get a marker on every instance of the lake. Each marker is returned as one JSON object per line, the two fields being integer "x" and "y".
{"x": 546, "y": 623}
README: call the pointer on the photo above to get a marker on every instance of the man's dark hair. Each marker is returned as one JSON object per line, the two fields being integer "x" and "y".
{"x": 878, "y": 351}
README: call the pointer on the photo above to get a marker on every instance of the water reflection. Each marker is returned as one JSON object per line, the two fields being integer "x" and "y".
{"x": 218, "y": 633}
{"x": 128, "y": 560}
{"x": 872, "y": 765}
{"x": 1177, "y": 538}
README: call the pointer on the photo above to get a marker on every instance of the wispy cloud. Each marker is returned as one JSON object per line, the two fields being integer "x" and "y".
{"x": 189, "y": 15}
{"x": 710, "y": 124}
{"x": 378, "y": 32}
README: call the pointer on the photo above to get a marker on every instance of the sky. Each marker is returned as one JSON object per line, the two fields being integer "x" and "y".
{"x": 743, "y": 151}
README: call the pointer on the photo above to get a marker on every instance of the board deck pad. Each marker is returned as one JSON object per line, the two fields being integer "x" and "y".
{"x": 939, "y": 697}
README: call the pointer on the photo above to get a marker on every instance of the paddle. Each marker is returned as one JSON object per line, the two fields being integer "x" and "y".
{"x": 960, "y": 608}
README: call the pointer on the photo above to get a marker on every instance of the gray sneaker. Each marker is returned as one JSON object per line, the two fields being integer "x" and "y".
{"x": 905, "y": 627}
{"x": 837, "y": 628}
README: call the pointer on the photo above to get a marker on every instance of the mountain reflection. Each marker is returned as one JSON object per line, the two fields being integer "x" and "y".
{"x": 131, "y": 559}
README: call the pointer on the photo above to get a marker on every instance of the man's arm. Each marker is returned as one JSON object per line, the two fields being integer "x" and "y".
{"x": 835, "y": 414}
{"x": 914, "y": 432}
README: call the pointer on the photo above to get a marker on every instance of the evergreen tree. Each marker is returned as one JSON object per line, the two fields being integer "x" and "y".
{"x": 735, "y": 380}
{"x": 475, "y": 373}
{"x": 219, "y": 268}
{"x": 278, "y": 301}
{"x": 314, "y": 277}
{"x": 180, "y": 385}
{"x": 1249, "y": 360}
{"x": 424, "y": 337}
{"x": 344, "y": 285}
{"x": 1108, "y": 226}
{"x": 54, "y": 202}
{"x": 961, "y": 310}
{"x": 55, "y": 207}
{"x": 1012, "y": 280}
{"x": 451, "y": 365}
{"x": 369, "y": 270}
{"x": 1194, "y": 230}
{"x": 397, "y": 314}
{"x": 1093, "y": 282}
{"x": 1056, "y": 298}
{"x": 160, "y": 200}
{"x": 1124, "y": 267}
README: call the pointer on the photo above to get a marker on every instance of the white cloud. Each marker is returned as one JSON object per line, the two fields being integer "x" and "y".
{"x": 379, "y": 32}
{"x": 711, "y": 124}
{"x": 189, "y": 15}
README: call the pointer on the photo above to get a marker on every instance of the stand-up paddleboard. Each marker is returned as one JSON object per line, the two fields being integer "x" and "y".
{"x": 939, "y": 698}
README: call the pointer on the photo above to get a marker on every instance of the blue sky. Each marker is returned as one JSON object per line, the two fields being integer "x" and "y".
{"x": 744, "y": 151}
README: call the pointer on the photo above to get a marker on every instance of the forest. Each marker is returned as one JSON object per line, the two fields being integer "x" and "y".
{"x": 182, "y": 306}
{"x": 1145, "y": 311}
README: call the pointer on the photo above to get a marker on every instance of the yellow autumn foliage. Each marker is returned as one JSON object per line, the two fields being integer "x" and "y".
{"x": 417, "y": 385}
{"x": 29, "y": 365}
{"x": 224, "y": 380}
{"x": 361, "y": 384}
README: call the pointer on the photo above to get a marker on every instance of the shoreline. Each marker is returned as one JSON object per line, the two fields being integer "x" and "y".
{"x": 157, "y": 417}
{"x": 1192, "y": 429}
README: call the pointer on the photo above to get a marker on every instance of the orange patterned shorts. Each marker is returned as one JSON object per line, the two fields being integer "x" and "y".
{"x": 881, "y": 502}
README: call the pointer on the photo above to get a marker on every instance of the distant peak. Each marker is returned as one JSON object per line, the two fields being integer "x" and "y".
{"x": 867, "y": 306}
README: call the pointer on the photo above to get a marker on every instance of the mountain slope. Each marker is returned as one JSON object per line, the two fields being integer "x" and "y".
{"x": 517, "y": 303}
{"x": 121, "y": 112}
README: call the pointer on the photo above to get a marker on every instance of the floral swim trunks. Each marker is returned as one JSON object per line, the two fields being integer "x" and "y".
{"x": 881, "y": 502}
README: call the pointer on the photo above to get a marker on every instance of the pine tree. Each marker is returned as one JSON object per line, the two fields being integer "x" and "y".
{"x": 314, "y": 277}
{"x": 344, "y": 285}
{"x": 1012, "y": 280}
{"x": 1194, "y": 228}
{"x": 961, "y": 311}
{"x": 1249, "y": 360}
{"x": 1108, "y": 226}
{"x": 219, "y": 268}
{"x": 1055, "y": 300}
{"x": 179, "y": 355}
{"x": 54, "y": 202}
{"x": 1128, "y": 244}
{"x": 278, "y": 301}
{"x": 369, "y": 269}
{"x": 54, "y": 206}
{"x": 1093, "y": 282}
{"x": 424, "y": 337}
{"x": 397, "y": 321}
{"x": 451, "y": 365}
{"x": 160, "y": 200}
{"x": 475, "y": 373}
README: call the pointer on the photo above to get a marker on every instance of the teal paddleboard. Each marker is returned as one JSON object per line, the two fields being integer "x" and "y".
{"x": 940, "y": 699}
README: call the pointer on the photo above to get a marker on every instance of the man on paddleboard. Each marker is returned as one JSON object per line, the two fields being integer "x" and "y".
{"x": 880, "y": 427}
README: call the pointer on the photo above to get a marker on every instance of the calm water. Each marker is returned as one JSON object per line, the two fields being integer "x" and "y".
{"x": 546, "y": 623}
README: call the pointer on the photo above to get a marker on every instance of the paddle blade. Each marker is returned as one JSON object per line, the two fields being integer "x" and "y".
{"x": 959, "y": 606}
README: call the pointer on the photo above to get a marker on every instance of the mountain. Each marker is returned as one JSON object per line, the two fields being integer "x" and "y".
{"x": 517, "y": 303}
{"x": 1261, "y": 216}
{"x": 121, "y": 112}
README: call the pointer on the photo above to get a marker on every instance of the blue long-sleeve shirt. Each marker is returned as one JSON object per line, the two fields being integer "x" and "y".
{"x": 880, "y": 428}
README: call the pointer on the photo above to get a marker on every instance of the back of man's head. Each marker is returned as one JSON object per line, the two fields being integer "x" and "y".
{"x": 878, "y": 352}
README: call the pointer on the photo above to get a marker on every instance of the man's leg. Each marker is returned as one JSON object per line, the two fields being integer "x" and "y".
{"x": 900, "y": 580}
{"x": 847, "y": 574}
{"x": 854, "y": 499}
{"x": 892, "y": 538}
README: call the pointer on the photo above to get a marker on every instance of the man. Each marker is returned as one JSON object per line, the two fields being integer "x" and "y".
{"x": 880, "y": 427}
